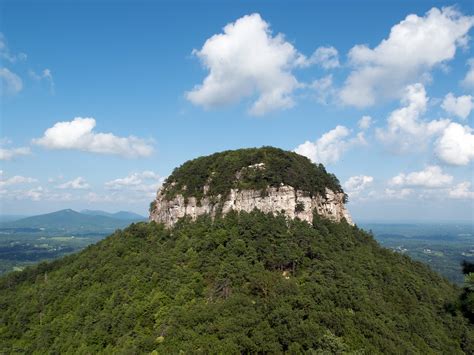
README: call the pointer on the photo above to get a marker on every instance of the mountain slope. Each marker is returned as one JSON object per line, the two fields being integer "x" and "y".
{"x": 229, "y": 283}
{"x": 68, "y": 220}
{"x": 241, "y": 283}
{"x": 125, "y": 215}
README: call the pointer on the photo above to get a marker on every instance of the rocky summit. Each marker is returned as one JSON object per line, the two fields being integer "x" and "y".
{"x": 243, "y": 180}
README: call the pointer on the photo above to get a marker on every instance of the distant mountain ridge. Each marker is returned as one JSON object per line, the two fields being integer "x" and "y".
{"x": 127, "y": 215}
{"x": 11, "y": 217}
{"x": 68, "y": 220}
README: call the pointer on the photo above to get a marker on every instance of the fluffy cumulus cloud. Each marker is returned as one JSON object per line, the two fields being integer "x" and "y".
{"x": 414, "y": 47}
{"x": 356, "y": 184}
{"x": 19, "y": 187}
{"x": 330, "y": 147}
{"x": 462, "y": 191}
{"x": 455, "y": 146}
{"x": 79, "y": 134}
{"x": 14, "y": 180}
{"x": 460, "y": 106}
{"x": 145, "y": 182}
{"x": 78, "y": 183}
{"x": 430, "y": 177}
{"x": 10, "y": 83}
{"x": 247, "y": 60}
{"x": 468, "y": 80}
{"x": 405, "y": 130}
{"x": 326, "y": 57}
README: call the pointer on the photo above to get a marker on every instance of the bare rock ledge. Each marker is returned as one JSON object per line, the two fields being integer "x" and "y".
{"x": 284, "y": 199}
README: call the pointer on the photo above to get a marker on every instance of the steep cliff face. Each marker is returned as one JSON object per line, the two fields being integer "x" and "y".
{"x": 284, "y": 199}
{"x": 268, "y": 179}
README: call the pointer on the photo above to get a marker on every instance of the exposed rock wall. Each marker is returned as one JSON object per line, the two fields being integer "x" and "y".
{"x": 286, "y": 199}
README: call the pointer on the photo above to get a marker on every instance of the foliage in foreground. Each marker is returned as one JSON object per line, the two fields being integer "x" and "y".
{"x": 467, "y": 296}
{"x": 243, "y": 283}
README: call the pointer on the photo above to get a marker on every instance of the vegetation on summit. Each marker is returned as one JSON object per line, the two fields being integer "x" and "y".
{"x": 240, "y": 169}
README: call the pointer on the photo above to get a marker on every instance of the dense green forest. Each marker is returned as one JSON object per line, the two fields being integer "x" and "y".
{"x": 243, "y": 283}
{"x": 233, "y": 169}
{"x": 466, "y": 300}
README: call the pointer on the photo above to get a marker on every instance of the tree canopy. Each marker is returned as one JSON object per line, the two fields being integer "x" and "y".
{"x": 253, "y": 168}
{"x": 243, "y": 283}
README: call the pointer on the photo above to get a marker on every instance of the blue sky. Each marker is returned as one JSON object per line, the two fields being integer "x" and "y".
{"x": 101, "y": 100}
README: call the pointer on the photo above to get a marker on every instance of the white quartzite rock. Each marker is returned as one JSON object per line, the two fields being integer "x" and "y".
{"x": 274, "y": 200}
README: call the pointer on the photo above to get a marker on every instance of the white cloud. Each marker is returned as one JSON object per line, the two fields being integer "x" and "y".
{"x": 365, "y": 122}
{"x": 330, "y": 147}
{"x": 16, "y": 187}
{"x": 460, "y": 106}
{"x": 14, "y": 180}
{"x": 145, "y": 181}
{"x": 414, "y": 47}
{"x": 323, "y": 89}
{"x": 35, "y": 194}
{"x": 405, "y": 130}
{"x": 44, "y": 75}
{"x": 10, "y": 83}
{"x": 247, "y": 60}
{"x": 326, "y": 57}
{"x": 456, "y": 145}
{"x": 430, "y": 177}
{"x": 462, "y": 191}
{"x": 468, "y": 80}
{"x": 394, "y": 194}
{"x": 10, "y": 153}
{"x": 78, "y": 134}
{"x": 78, "y": 183}
{"x": 356, "y": 184}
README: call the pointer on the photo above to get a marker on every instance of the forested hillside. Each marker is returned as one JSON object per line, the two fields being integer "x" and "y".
{"x": 243, "y": 283}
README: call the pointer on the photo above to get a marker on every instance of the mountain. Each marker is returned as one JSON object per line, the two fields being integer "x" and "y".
{"x": 10, "y": 217}
{"x": 267, "y": 178}
{"x": 68, "y": 221}
{"x": 125, "y": 215}
{"x": 235, "y": 282}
